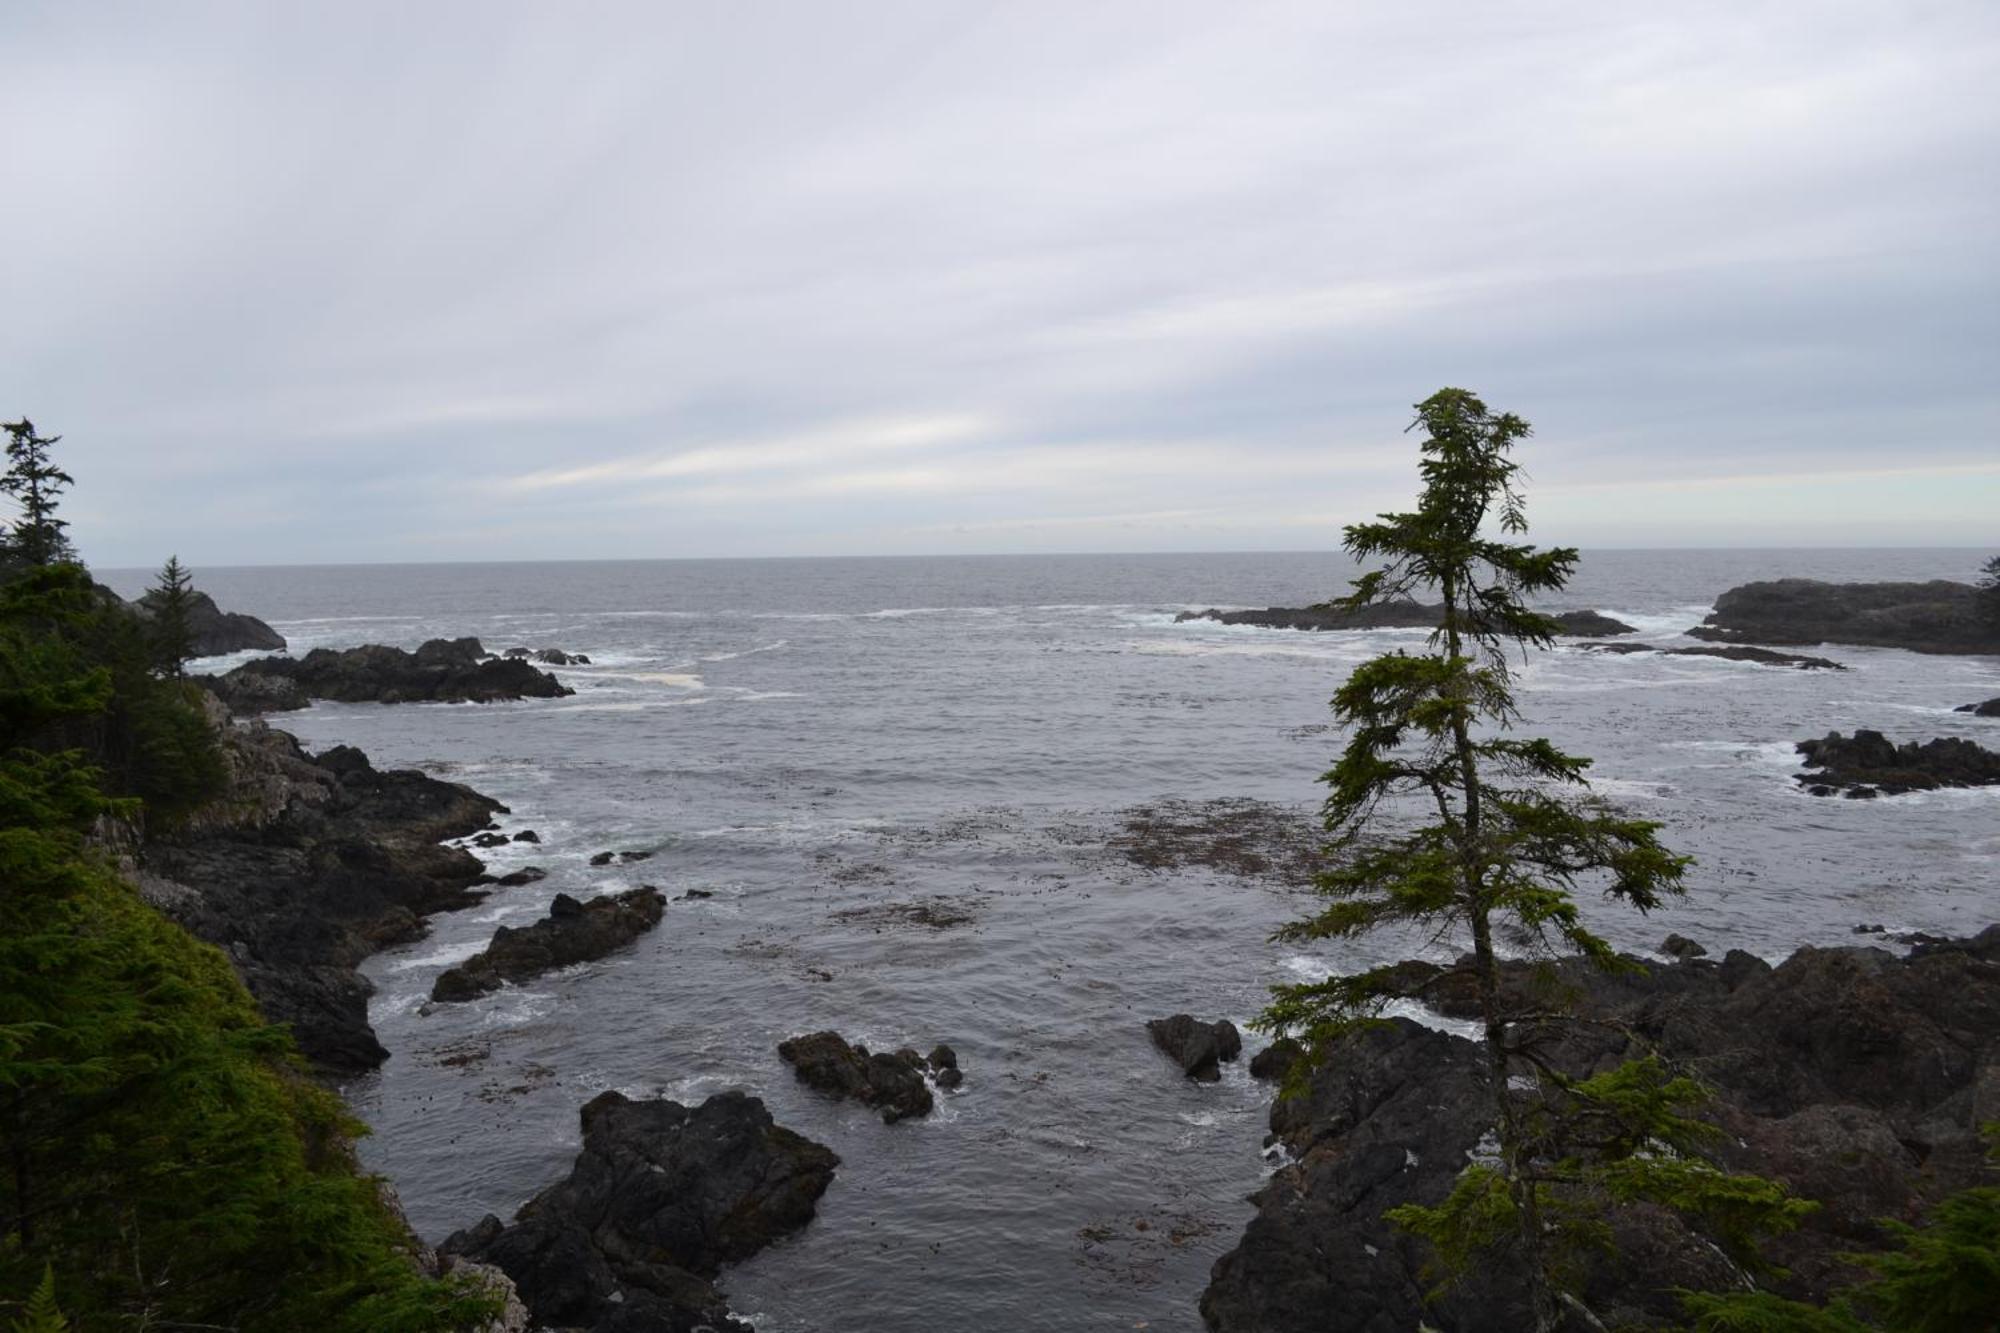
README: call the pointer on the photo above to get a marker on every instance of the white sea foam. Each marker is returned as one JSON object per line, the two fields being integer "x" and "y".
{"x": 1417, "y": 1013}
{"x": 440, "y": 957}
{"x": 1764, "y": 752}
{"x": 1663, "y": 624}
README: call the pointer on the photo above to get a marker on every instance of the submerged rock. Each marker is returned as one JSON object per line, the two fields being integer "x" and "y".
{"x": 1199, "y": 1048}
{"x": 572, "y": 932}
{"x": 1935, "y": 617}
{"x": 659, "y": 1199}
{"x": 441, "y": 671}
{"x": 894, "y": 1083}
{"x": 1384, "y": 615}
{"x": 1868, "y": 764}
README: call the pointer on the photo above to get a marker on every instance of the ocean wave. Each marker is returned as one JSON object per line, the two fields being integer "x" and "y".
{"x": 1670, "y": 623}
{"x": 746, "y": 652}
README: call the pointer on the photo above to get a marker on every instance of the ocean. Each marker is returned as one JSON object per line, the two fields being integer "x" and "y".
{"x": 915, "y": 789}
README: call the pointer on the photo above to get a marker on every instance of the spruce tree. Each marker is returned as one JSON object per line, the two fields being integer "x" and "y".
{"x": 1511, "y": 835}
{"x": 34, "y": 480}
{"x": 171, "y": 600}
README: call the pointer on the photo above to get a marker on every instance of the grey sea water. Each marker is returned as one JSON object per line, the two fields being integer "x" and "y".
{"x": 829, "y": 746}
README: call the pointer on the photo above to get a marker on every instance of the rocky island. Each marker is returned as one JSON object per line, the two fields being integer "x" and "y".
{"x": 1940, "y": 616}
{"x": 440, "y": 671}
{"x": 1868, "y": 764}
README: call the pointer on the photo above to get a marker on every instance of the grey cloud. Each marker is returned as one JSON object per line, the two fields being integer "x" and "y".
{"x": 340, "y": 282}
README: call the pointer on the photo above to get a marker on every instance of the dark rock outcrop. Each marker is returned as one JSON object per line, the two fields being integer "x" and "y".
{"x": 1856, "y": 1078}
{"x": 441, "y": 671}
{"x": 661, "y": 1197}
{"x": 572, "y": 932}
{"x": 1274, "y": 1063}
{"x": 893, "y": 1082}
{"x": 1733, "y": 653}
{"x": 1991, "y": 708}
{"x": 1197, "y": 1047}
{"x": 308, "y": 865}
{"x": 1935, "y": 617}
{"x": 1868, "y": 764}
{"x": 1384, "y": 615}
{"x": 1680, "y": 946}
{"x": 214, "y": 631}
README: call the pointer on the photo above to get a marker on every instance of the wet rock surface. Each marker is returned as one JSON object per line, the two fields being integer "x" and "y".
{"x": 441, "y": 671}
{"x": 1857, "y": 1078}
{"x": 1384, "y": 615}
{"x": 1732, "y": 653}
{"x": 1868, "y": 764}
{"x": 573, "y": 932}
{"x": 1936, "y": 617}
{"x": 1991, "y": 708}
{"x": 308, "y": 865}
{"x": 661, "y": 1197}
{"x": 892, "y": 1082}
{"x": 1199, "y": 1048}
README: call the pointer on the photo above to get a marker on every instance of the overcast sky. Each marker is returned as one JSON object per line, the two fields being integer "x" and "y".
{"x": 356, "y": 281}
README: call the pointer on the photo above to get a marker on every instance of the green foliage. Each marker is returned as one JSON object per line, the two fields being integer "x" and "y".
{"x": 1945, "y": 1276}
{"x": 42, "y": 1314}
{"x": 1942, "y": 1277}
{"x": 77, "y": 673}
{"x": 171, "y": 600}
{"x": 1762, "y": 1312}
{"x": 34, "y": 480}
{"x": 164, "y": 1160}
{"x": 1510, "y": 837}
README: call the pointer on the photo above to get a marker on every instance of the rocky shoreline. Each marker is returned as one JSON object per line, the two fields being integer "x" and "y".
{"x": 307, "y": 866}
{"x": 1857, "y": 1078}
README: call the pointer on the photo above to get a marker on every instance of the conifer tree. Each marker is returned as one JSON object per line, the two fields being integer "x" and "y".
{"x": 1512, "y": 834}
{"x": 34, "y": 480}
{"x": 171, "y": 601}
{"x": 1988, "y": 584}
